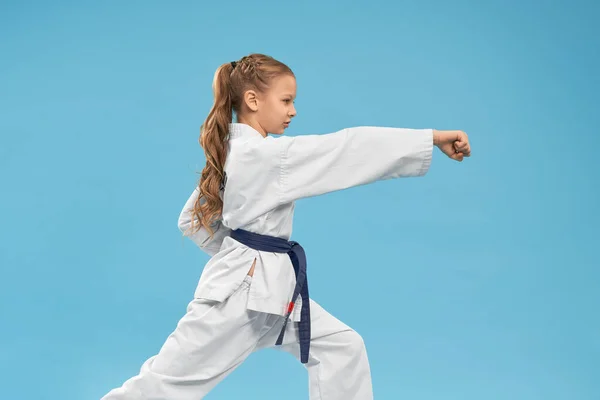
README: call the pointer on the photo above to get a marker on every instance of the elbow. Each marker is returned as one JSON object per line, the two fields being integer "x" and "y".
{"x": 186, "y": 215}
{"x": 184, "y": 222}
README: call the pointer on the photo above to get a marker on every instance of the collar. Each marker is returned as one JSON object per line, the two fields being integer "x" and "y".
{"x": 237, "y": 130}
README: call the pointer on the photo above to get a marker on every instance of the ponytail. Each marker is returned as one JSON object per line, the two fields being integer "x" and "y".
{"x": 214, "y": 140}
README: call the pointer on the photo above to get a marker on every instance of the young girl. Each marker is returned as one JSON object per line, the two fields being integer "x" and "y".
{"x": 253, "y": 292}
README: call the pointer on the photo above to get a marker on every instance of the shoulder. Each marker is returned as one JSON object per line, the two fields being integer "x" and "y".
{"x": 254, "y": 157}
{"x": 258, "y": 149}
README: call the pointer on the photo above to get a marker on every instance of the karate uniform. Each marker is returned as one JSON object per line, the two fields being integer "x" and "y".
{"x": 231, "y": 314}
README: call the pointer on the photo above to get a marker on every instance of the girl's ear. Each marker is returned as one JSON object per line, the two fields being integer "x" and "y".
{"x": 251, "y": 100}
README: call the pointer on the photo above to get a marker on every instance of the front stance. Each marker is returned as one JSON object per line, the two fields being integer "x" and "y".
{"x": 253, "y": 292}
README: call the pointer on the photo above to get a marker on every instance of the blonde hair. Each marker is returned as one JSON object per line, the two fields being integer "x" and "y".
{"x": 231, "y": 81}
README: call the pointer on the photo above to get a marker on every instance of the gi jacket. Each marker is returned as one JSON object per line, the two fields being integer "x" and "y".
{"x": 266, "y": 175}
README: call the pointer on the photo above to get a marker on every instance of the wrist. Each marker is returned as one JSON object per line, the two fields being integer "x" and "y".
{"x": 436, "y": 137}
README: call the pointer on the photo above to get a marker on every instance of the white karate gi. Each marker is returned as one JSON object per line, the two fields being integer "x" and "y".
{"x": 231, "y": 314}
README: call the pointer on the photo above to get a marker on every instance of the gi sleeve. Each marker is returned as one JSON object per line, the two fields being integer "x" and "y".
{"x": 311, "y": 165}
{"x": 202, "y": 237}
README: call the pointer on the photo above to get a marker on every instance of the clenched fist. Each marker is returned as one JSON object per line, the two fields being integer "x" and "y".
{"x": 454, "y": 144}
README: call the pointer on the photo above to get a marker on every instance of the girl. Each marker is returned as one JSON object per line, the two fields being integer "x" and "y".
{"x": 241, "y": 214}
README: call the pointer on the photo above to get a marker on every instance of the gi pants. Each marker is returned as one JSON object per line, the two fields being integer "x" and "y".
{"x": 214, "y": 338}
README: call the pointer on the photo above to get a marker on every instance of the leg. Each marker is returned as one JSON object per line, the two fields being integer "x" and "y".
{"x": 209, "y": 342}
{"x": 338, "y": 367}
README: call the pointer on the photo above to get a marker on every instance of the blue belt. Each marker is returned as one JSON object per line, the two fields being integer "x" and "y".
{"x": 296, "y": 253}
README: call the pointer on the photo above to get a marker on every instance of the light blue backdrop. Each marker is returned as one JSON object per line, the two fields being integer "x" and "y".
{"x": 479, "y": 281}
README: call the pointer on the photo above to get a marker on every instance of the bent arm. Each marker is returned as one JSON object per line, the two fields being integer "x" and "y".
{"x": 201, "y": 238}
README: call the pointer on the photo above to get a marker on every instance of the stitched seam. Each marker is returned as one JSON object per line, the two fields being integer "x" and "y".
{"x": 282, "y": 175}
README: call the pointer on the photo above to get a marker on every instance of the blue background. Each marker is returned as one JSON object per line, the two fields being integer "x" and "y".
{"x": 478, "y": 281}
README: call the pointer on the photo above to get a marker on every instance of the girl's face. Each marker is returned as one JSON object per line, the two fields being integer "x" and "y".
{"x": 275, "y": 108}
